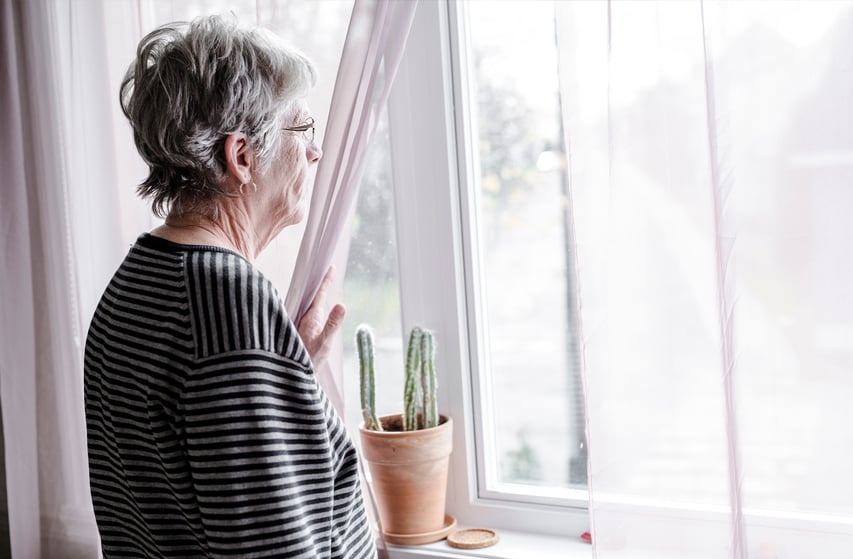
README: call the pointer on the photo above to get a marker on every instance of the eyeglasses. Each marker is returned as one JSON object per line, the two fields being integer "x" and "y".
{"x": 307, "y": 129}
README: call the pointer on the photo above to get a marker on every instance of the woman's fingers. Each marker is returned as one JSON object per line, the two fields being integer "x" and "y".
{"x": 317, "y": 329}
{"x": 334, "y": 321}
{"x": 324, "y": 340}
{"x": 323, "y": 292}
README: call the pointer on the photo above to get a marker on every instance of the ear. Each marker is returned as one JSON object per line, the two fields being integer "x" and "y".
{"x": 239, "y": 157}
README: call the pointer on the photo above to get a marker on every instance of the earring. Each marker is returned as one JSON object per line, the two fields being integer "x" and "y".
{"x": 241, "y": 188}
{"x": 254, "y": 186}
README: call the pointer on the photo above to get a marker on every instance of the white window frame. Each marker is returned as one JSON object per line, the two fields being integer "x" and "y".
{"x": 435, "y": 185}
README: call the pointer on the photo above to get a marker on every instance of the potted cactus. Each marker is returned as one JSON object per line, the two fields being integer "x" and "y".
{"x": 408, "y": 453}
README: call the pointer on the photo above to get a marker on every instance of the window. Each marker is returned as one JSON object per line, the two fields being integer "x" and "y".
{"x": 462, "y": 194}
{"x": 530, "y": 385}
{"x": 451, "y": 206}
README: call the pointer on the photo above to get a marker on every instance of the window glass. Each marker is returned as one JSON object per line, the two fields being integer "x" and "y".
{"x": 371, "y": 287}
{"x": 534, "y": 429}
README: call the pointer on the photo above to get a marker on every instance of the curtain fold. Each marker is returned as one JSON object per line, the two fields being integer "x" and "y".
{"x": 372, "y": 51}
{"x": 42, "y": 332}
{"x": 721, "y": 181}
{"x": 17, "y": 338}
{"x": 710, "y": 161}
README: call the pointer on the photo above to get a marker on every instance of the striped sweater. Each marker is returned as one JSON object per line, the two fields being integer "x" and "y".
{"x": 208, "y": 435}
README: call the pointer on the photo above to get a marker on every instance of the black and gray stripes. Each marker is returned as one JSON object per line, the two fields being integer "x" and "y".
{"x": 233, "y": 306}
{"x": 208, "y": 434}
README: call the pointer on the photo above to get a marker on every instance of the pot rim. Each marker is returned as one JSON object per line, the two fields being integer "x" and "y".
{"x": 443, "y": 421}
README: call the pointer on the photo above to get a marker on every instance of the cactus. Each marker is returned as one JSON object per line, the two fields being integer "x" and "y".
{"x": 364, "y": 345}
{"x": 410, "y": 389}
{"x": 419, "y": 393}
{"x": 430, "y": 386}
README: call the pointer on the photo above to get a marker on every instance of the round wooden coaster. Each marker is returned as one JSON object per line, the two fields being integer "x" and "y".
{"x": 473, "y": 538}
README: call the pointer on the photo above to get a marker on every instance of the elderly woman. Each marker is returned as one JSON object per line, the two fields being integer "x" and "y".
{"x": 208, "y": 434}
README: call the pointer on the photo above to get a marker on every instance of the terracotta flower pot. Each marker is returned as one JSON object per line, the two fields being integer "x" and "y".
{"x": 409, "y": 478}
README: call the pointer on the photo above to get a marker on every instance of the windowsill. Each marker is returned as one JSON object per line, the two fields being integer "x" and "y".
{"x": 512, "y": 545}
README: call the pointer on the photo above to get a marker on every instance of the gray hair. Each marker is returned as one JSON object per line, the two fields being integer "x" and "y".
{"x": 193, "y": 84}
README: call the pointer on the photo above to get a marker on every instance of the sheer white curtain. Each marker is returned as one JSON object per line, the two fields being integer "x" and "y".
{"x": 61, "y": 238}
{"x": 711, "y": 163}
{"x": 68, "y": 212}
{"x": 374, "y": 46}
{"x": 17, "y": 353}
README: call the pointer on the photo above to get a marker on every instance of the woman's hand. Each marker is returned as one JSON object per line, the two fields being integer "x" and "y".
{"x": 316, "y": 329}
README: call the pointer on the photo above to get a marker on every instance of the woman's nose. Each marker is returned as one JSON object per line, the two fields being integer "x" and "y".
{"x": 313, "y": 153}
